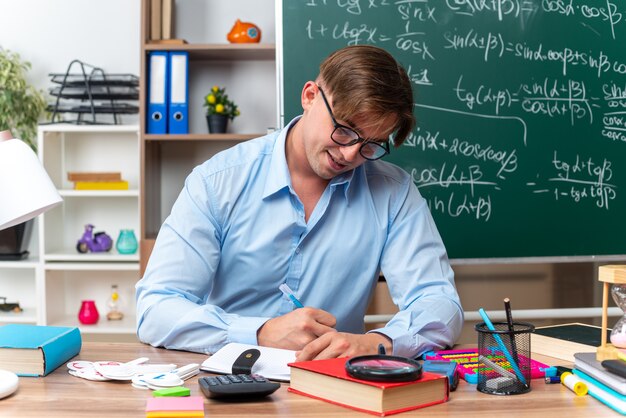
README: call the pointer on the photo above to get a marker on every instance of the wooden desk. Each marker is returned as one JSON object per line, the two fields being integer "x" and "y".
{"x": 62, "y": 395}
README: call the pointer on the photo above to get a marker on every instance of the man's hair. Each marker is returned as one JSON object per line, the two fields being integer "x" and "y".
{"x": 367, "y": 80}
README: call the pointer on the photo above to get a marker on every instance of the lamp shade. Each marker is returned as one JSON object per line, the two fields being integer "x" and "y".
{"x": 25, "y": 188}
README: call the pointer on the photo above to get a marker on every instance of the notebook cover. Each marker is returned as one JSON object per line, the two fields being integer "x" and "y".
{"x": 272, "y": 363}
{"x": 605, "y": 395}
{"x": 336, "y": 368}
{"x": 58, "y": 344}
{"x": 575, "y": 332}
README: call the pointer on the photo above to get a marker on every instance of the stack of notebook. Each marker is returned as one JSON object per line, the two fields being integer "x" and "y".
{"x": 607, "y": 387}
{"x": 97, "y": 180}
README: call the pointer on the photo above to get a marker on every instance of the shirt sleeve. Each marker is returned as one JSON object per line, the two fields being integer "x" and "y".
{"x": 420, "y": 280}
{"x": 172, "y": 309}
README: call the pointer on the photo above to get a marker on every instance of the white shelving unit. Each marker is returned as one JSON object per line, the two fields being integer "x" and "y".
{"x": 18, "y": 283}
{"x": 53, "y": 281}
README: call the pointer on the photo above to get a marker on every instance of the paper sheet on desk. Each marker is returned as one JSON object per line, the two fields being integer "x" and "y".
{"x": 272, "y": 362}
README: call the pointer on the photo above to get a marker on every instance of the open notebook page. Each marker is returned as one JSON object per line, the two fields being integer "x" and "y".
{"x": 272, "y": 362}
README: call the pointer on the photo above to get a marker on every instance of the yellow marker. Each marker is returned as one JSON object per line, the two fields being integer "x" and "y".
{"x": 621, "y": 355}
{"x": 574, "y": 383}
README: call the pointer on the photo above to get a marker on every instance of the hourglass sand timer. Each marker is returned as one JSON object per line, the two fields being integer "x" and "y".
{"x": 615, "y": 275}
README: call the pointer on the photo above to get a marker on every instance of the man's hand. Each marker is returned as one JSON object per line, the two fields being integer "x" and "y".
{"x": 342, "y": 344}
{"x": 296, "y": 329}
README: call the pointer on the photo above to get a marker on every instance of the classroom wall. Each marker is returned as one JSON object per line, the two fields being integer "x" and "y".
{"x": 50, "y": 34}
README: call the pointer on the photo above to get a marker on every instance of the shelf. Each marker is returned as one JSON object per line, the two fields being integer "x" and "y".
{"x": 102, "y": 258}
{"x": 98, "y": 193}
{"x": 230, "y": 52}
{"x": 125, "y": 326}
{"x": 202, "y": 137}
{"x": 28, "y": 315}
{"x": 70, "y": 127}
{"x": 29, "y": 263}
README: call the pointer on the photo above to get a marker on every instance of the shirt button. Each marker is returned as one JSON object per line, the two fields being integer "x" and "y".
{"x": 298, "y": 250}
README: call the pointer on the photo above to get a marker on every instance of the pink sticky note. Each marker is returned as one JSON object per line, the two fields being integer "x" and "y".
{"x": 188, "y": 403}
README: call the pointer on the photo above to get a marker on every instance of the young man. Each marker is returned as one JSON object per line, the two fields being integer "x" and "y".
{"x": 313, "y": 207}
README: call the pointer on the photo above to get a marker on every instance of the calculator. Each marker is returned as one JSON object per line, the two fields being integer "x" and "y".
{"x": 233, "y": 386}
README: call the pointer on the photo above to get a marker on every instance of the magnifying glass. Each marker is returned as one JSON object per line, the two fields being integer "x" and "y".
{"x": 384, "y": 368}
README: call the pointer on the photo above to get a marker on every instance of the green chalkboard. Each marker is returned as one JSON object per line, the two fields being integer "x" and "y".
{"x": 520, "y": 147}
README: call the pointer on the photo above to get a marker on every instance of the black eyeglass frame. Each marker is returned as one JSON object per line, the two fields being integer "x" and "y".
{"x": 384, "y": 146}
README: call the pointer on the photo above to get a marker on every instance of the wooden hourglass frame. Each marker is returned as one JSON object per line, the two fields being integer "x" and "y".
{"x": 609, "y": 275}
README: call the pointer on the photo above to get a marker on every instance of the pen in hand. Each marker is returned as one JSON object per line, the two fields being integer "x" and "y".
{"x": 289, "y": 293}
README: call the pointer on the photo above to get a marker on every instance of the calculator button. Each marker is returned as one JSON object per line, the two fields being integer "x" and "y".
{"x": 223, "y": 380}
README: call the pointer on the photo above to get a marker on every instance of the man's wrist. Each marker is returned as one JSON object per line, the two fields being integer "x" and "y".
{"x": 379, "y": 339}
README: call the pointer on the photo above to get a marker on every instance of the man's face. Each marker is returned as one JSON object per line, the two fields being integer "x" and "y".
{"x": 327, "y": 158}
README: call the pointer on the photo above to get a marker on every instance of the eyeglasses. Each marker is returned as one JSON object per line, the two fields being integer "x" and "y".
{"x": 346, "y": 136}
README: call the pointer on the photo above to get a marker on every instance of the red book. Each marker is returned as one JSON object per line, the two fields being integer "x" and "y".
{"x": 328, "y": 380}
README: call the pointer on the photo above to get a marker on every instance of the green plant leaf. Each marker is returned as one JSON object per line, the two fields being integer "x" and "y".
{"x": 21, "y": 105}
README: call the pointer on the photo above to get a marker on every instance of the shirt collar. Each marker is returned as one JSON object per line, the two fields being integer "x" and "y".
{"x": 278, "y": 176}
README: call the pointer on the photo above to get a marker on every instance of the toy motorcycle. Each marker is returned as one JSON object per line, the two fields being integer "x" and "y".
{"x": 98, "y": 242}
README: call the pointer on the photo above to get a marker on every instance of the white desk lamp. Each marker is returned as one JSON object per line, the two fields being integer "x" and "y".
{"x": 25, "y": 192}
{"x": 25, "y": 188}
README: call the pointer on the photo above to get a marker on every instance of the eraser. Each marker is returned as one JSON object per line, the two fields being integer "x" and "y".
{"x": 499, "y": 382}
{"x": 175, "y": 391}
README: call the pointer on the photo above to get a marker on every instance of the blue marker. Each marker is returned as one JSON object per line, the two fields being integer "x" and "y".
{"x": 289, "y": 293}
{"x": 506, "y": 353}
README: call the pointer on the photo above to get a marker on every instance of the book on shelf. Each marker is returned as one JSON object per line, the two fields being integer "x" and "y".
{"x": 587, "y": 363}
{"x": 155, "y": 19}
{"x": 36, "y": 350}
{"x": 603, "y": 393}
{"x": 328, "y": 380}
{"x": 563, "y": 341}
{"x": 94, "y": 176}
{"x": 101, "y": 185}
{"x": 167, "y": 10}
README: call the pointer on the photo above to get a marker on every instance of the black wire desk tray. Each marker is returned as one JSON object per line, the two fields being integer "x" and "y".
{"x": 95, "y": 79}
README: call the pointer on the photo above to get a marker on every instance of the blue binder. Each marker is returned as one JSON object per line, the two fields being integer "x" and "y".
{"x": 178, "y": 119}
{"x": 157, "y": 92}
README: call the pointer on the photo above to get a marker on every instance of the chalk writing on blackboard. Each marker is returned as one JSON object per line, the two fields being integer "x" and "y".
{"x": 521, "y": 110}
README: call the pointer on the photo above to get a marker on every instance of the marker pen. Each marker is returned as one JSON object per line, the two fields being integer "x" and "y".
{"x": 289, "y": 293}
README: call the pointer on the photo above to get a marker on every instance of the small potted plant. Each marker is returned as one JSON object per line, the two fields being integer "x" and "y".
{"x": 219, "y": 110}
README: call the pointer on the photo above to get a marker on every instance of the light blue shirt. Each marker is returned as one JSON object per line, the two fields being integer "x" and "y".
{"x": 237, "y": 231}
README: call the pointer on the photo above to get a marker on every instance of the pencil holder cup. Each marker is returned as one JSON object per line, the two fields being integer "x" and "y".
{"x": 504, "y": 358}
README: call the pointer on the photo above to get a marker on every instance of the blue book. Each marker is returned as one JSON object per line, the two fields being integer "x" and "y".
{"x": 34, "y": 350}
{"x": 603, "y": 393}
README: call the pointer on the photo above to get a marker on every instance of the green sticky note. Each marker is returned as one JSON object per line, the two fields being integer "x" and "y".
{"x": 175, "y": 391}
